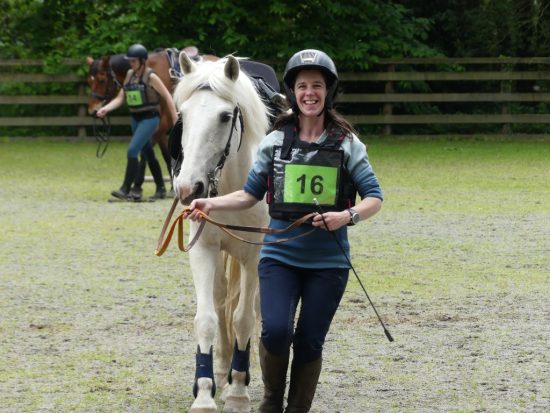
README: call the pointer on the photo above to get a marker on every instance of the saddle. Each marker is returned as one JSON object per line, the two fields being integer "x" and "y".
{"x": 266, "y": 84}
{"x": 174, "y": 63}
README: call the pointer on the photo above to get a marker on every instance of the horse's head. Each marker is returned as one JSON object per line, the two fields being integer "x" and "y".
{"x": 102, "y": 83}
{"x": 215, "y": 101}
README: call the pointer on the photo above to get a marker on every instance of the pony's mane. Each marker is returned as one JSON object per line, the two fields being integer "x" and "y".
{"x": 241, "y": 93}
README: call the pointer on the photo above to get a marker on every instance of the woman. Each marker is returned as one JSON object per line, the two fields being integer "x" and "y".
{"x": 142, "y": 91}
{"x": 313, "y": 157}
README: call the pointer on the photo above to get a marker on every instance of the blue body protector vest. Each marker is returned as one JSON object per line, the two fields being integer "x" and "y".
{"x": 303, "y": 172}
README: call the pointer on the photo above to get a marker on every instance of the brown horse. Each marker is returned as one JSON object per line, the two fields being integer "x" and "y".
{"x": 106, "y": 76}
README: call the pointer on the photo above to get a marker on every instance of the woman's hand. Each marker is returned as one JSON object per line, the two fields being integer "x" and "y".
{"x": 333, "y": 220}
{"x": 102, "y": 112}
{"x": 202, "y": 204}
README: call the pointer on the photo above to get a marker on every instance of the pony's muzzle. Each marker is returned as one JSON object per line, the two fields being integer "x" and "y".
{"x": 187, "y": 193}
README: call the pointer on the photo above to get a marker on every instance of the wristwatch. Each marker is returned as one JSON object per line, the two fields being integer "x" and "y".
{"x": 354, "y": 216}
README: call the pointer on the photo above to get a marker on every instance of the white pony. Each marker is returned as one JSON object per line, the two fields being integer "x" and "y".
{"x": 223, "y": 120}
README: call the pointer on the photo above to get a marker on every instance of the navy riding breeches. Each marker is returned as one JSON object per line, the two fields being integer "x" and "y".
{"x": 281, "y": 288}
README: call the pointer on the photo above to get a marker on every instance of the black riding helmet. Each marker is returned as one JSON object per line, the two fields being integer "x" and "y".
{"x": 311, "y": 59}
{"x": 137, "y": 51}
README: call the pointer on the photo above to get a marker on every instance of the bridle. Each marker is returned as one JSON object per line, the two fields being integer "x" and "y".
{"x": 113, "y": 85}
{"x": 177, "y": 155}
{"x": 214, "y": 175}
{"x": 102, "y": 130}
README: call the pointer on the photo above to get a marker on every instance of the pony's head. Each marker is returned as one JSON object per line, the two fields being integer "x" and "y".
{"x": 101, "y": 83}
{"x": 105, "y": 77}
{"x": 222, "y": 121}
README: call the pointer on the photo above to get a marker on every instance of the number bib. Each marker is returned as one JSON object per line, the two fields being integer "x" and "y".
{"x": 135, "y": 95}
{"x": 303, "y": 183}
{"x": 306, "y": 174}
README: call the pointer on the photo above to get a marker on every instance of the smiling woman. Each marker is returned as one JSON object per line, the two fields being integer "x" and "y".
{"x": 313, "y": 157}
{"x": 310, "y": 92}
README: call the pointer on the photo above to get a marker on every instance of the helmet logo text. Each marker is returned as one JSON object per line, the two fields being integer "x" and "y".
{"x": 308, "y": 56}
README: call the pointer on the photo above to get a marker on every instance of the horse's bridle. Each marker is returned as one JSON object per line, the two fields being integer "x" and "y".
{"x": 113, "y": 85}
{"x": 176, "y": 151}
{"x": 102, "y": 132}
{"x": 214, "y": 175}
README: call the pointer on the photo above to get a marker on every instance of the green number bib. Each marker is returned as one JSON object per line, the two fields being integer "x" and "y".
{"x": 134, "y": 97}
{"x": 303, "y": 183}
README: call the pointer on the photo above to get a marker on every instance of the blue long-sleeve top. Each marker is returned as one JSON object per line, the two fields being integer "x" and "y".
{"x": 318, "y": 249}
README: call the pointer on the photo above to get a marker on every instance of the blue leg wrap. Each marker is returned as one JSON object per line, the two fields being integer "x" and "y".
{"x": 204, "y": 368}
{"x": 240, "y": 362}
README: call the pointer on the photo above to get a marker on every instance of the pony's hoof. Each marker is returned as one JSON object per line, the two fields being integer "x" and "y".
{"x": 237, "y": 399}
{"x": 204, "y": 403}
{"x": 237, "y": 405}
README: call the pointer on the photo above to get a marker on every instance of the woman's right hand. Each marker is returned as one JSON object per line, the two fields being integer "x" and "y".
{"x": 102, "y": 112}
{"x": 202, "y": 204}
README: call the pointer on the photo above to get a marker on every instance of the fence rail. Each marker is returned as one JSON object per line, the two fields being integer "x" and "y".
{"x": 381, "y": 92}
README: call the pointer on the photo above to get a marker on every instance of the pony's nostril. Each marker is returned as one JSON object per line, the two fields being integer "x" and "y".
{"x": 199, "y": 190}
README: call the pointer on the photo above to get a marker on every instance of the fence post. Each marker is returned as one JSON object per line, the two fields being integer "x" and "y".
{"x": 82, "y": 111}
{"x": 506, "y": 87}
{"x": 388, "y": 106}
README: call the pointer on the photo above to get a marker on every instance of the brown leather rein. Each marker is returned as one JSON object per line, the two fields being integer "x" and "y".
{"x": 163, "y": 241}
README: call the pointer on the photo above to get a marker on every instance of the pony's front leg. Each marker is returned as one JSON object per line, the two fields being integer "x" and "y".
{"x": 237, "y": 398}
{"x": 205, "y": 262}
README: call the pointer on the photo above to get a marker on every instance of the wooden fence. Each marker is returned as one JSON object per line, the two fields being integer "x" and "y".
{"x": 80, "y": 120}
{"x": 381, "y": 96}
{"x": 489, "y": 80}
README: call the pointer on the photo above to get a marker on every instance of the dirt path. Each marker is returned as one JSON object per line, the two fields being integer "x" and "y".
{"x": 92, "y": 321}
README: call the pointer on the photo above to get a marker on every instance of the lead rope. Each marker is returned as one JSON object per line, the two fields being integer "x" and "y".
{"x": 163, "y": 241}
{"x": 102, "y": 134}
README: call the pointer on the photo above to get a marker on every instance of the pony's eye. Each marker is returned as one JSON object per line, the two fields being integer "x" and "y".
{"x": 225, "y": 117}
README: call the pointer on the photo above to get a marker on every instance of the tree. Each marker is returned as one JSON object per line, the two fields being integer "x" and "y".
{"x": 486, "y": 28}
{"x": 356, "y": 32}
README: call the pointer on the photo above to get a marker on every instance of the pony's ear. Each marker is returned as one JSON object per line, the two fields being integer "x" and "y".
{"x": 187, "y": 65}
{"x": 89, "y": 60}
{"x": 232, "y": 68}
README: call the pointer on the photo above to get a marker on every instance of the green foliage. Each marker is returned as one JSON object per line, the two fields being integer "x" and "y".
{"x": 355, "y": 33}
{"x": 486, "y": 28}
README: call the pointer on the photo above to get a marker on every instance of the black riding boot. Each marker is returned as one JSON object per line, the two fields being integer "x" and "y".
{"x": 136, "y": 190}
{"x": 156, "y": 171}
{"x": 129, "y": 176}
{"x": 303, "y": 382}
{"x": 274, "y": 369}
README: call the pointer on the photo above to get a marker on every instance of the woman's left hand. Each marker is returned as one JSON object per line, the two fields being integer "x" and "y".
{"x": 333, "y": 220}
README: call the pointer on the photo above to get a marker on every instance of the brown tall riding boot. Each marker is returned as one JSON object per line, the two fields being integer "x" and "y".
{"x": 274, "y": 369}
{"x": 303, "y": 382}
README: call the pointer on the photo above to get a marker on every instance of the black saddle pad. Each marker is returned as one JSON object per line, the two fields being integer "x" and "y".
{"x": 263, "y": 71}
